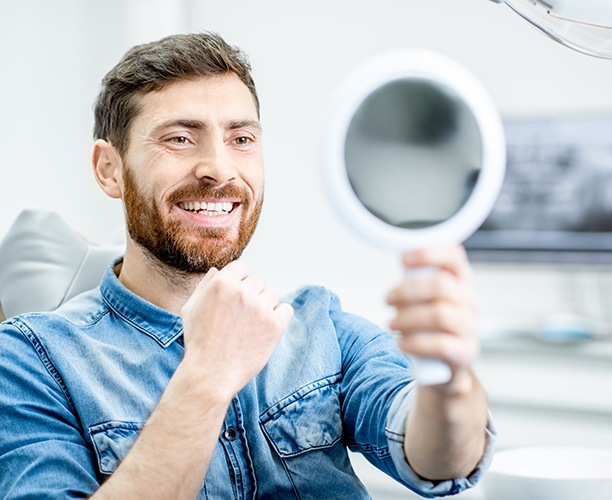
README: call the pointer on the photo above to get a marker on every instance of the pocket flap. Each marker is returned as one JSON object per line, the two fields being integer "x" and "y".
{"x": 309, "y": 419}
{"x": 112, "y": 441}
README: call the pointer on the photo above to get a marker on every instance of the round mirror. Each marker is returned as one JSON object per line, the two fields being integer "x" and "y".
{"x": 414, "y": 150}
{"x": 414, "y": 156}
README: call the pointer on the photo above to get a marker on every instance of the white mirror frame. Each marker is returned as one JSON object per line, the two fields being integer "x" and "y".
{"x": 423, "y": 65}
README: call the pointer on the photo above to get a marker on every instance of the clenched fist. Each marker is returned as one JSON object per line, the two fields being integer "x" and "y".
{"x": 232, "y": 323}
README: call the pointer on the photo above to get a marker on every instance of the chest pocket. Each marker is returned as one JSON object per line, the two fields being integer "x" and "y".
{"x": 305, "y": 431}
{"x": 112, "y": 442}
{"x": 307, "y": 420}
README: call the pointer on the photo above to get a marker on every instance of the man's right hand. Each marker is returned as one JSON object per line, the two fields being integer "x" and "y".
{"x": 232, "y": 323}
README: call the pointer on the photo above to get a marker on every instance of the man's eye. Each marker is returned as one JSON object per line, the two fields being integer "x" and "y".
{"x": 179, "y": 140}
{"x": 243, "y": 141}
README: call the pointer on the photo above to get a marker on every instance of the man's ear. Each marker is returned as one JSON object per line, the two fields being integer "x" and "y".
{"x": 108, "y": 168}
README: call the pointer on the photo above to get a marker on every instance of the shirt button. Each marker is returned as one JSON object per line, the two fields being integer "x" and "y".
{"x": 230, "y": 434}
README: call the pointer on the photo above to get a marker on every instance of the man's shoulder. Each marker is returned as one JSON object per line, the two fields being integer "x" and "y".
{"x": 81, "y": 311}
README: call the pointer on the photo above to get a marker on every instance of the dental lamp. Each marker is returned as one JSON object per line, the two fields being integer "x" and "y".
{"x": 582, "y": 25}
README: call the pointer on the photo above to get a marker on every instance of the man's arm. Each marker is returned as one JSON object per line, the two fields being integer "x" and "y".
{"x": 232, "y": 324}
{"x": 445, "y": 430}
{"x": 436, "y": 316}
{"x": 171, "y": 456}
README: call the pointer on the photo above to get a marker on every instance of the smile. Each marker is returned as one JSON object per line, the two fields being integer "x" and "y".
{"x": 211, "y": 209}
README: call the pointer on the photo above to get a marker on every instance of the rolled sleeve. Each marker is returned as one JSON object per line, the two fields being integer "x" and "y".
{"x": 395, "y": 432}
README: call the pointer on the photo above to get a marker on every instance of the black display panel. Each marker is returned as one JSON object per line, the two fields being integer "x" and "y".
{"x": 555, "y": 205}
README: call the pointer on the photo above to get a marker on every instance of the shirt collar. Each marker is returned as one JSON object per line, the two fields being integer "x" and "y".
{"x": 161, "y": 325}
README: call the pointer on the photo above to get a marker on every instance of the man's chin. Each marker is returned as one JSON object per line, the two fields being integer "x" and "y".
{"x": 201, "y": 255}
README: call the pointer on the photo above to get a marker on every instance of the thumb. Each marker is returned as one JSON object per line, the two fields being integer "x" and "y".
{"x": 213, "y": 271}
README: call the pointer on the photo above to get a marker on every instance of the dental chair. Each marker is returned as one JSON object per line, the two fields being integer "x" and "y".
{"x": 44, "y": 262}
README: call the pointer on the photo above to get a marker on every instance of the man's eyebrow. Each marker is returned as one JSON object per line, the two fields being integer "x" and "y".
{"x": 237, "y": 124}
{"x": 200, "y": 125}
{"x": 181, "y": 122}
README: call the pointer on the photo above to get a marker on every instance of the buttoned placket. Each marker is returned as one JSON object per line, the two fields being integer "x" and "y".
{"x": 234, "y": 440}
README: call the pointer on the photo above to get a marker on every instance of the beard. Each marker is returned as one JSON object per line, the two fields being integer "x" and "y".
{"x": 183, "y": 248}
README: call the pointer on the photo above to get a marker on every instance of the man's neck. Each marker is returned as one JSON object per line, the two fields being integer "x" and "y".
{"x": 154, "y": 281}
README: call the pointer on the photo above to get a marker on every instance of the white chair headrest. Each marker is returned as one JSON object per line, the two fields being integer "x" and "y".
{"x": 44, "y": 262}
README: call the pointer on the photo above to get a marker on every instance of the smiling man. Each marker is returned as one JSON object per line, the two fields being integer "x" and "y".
{"x": 182, "y": 375}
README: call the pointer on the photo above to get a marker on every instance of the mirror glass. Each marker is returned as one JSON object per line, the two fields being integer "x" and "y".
{"x": 413, "y": 150}
{"x": 413, "y": 153}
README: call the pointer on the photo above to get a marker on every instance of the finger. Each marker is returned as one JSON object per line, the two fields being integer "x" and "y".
{"x": 438, "y": 317}
{"x": 454, "y": 351}
{"x": 452, "y": 258}
{"x": 206, "y": 279}
{"x": 269, "y": 298}
{"x": 440, "y": 285}
{"x": 283, "y": 313}
{"x": 208, "y": 276}
{"x": 236, "y": 270}
{"x": 254, "y": 284}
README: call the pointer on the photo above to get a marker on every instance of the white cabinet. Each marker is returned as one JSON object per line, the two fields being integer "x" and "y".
{"x": 547, "y": 394}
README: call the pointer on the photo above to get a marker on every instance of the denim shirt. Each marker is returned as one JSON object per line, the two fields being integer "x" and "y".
{"x": 78, "y": 384}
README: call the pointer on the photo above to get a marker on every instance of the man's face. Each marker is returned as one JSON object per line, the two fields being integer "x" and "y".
{"x": 193, "y": 173}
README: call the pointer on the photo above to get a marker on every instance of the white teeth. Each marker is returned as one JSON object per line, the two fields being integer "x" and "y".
{"x": 211, "y": 209}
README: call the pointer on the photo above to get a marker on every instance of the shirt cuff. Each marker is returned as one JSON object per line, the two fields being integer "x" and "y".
{"x": 395, "y": 432}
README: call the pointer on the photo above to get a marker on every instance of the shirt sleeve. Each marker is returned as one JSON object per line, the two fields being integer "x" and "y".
{"x": 378, "y": 389}
{"x": 43, "y": 452}
{"x": 396, "y": 423}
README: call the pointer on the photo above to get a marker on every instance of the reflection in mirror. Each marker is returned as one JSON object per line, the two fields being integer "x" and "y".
{"x": 413, "y": 153}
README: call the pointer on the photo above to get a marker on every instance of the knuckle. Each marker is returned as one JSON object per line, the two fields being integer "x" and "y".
{"x": 218, "y": 285}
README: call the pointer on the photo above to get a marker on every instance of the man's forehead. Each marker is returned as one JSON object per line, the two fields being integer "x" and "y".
{"x": 227, "y": 85}
{"x": 224, "y": 97}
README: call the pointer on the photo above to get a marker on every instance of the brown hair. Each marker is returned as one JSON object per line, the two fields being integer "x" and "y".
{"x": 151, "y": 67}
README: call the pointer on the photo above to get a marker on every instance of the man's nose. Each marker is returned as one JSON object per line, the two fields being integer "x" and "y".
{"x": 215, "y": 164}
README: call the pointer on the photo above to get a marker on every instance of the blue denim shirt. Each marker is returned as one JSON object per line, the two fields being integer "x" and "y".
{"x": 77, "y": 385}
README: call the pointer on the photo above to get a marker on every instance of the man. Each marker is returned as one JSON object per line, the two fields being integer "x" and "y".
{"x": 182, "y": 375}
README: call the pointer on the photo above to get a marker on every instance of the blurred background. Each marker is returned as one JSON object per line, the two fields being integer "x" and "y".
{"x": 543, "y": 265}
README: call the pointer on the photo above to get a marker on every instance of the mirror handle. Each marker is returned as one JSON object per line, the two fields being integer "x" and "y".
{"x": 428, "y": 371}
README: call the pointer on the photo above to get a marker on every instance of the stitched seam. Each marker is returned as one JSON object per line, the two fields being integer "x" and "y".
{"x": 102, "y": 428}
{"x": 298, "y": 394}
{"x": 140, "y": 328}
{"x": 45, "y": 360}
{"x": 306, "y": 450}
{"x": 373, "y": 450}
{"x": 58, "y": 313}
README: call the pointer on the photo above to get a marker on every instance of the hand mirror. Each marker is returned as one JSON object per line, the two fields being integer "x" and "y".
{"x": 413, "y": 156}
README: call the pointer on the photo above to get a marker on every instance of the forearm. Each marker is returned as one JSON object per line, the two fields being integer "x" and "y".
{"x": 232, "y": 324}
{"x": 446, "y": 428}
{"x": 172, "y": 454}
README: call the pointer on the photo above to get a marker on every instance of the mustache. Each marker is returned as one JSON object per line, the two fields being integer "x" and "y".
{"x": 206, "y": 190}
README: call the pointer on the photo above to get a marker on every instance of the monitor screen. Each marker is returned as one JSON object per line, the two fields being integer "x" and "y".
{"x": 555, "y": 205}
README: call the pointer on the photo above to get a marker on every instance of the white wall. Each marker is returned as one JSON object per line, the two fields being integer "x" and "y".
{"x": 53, "y": 55}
